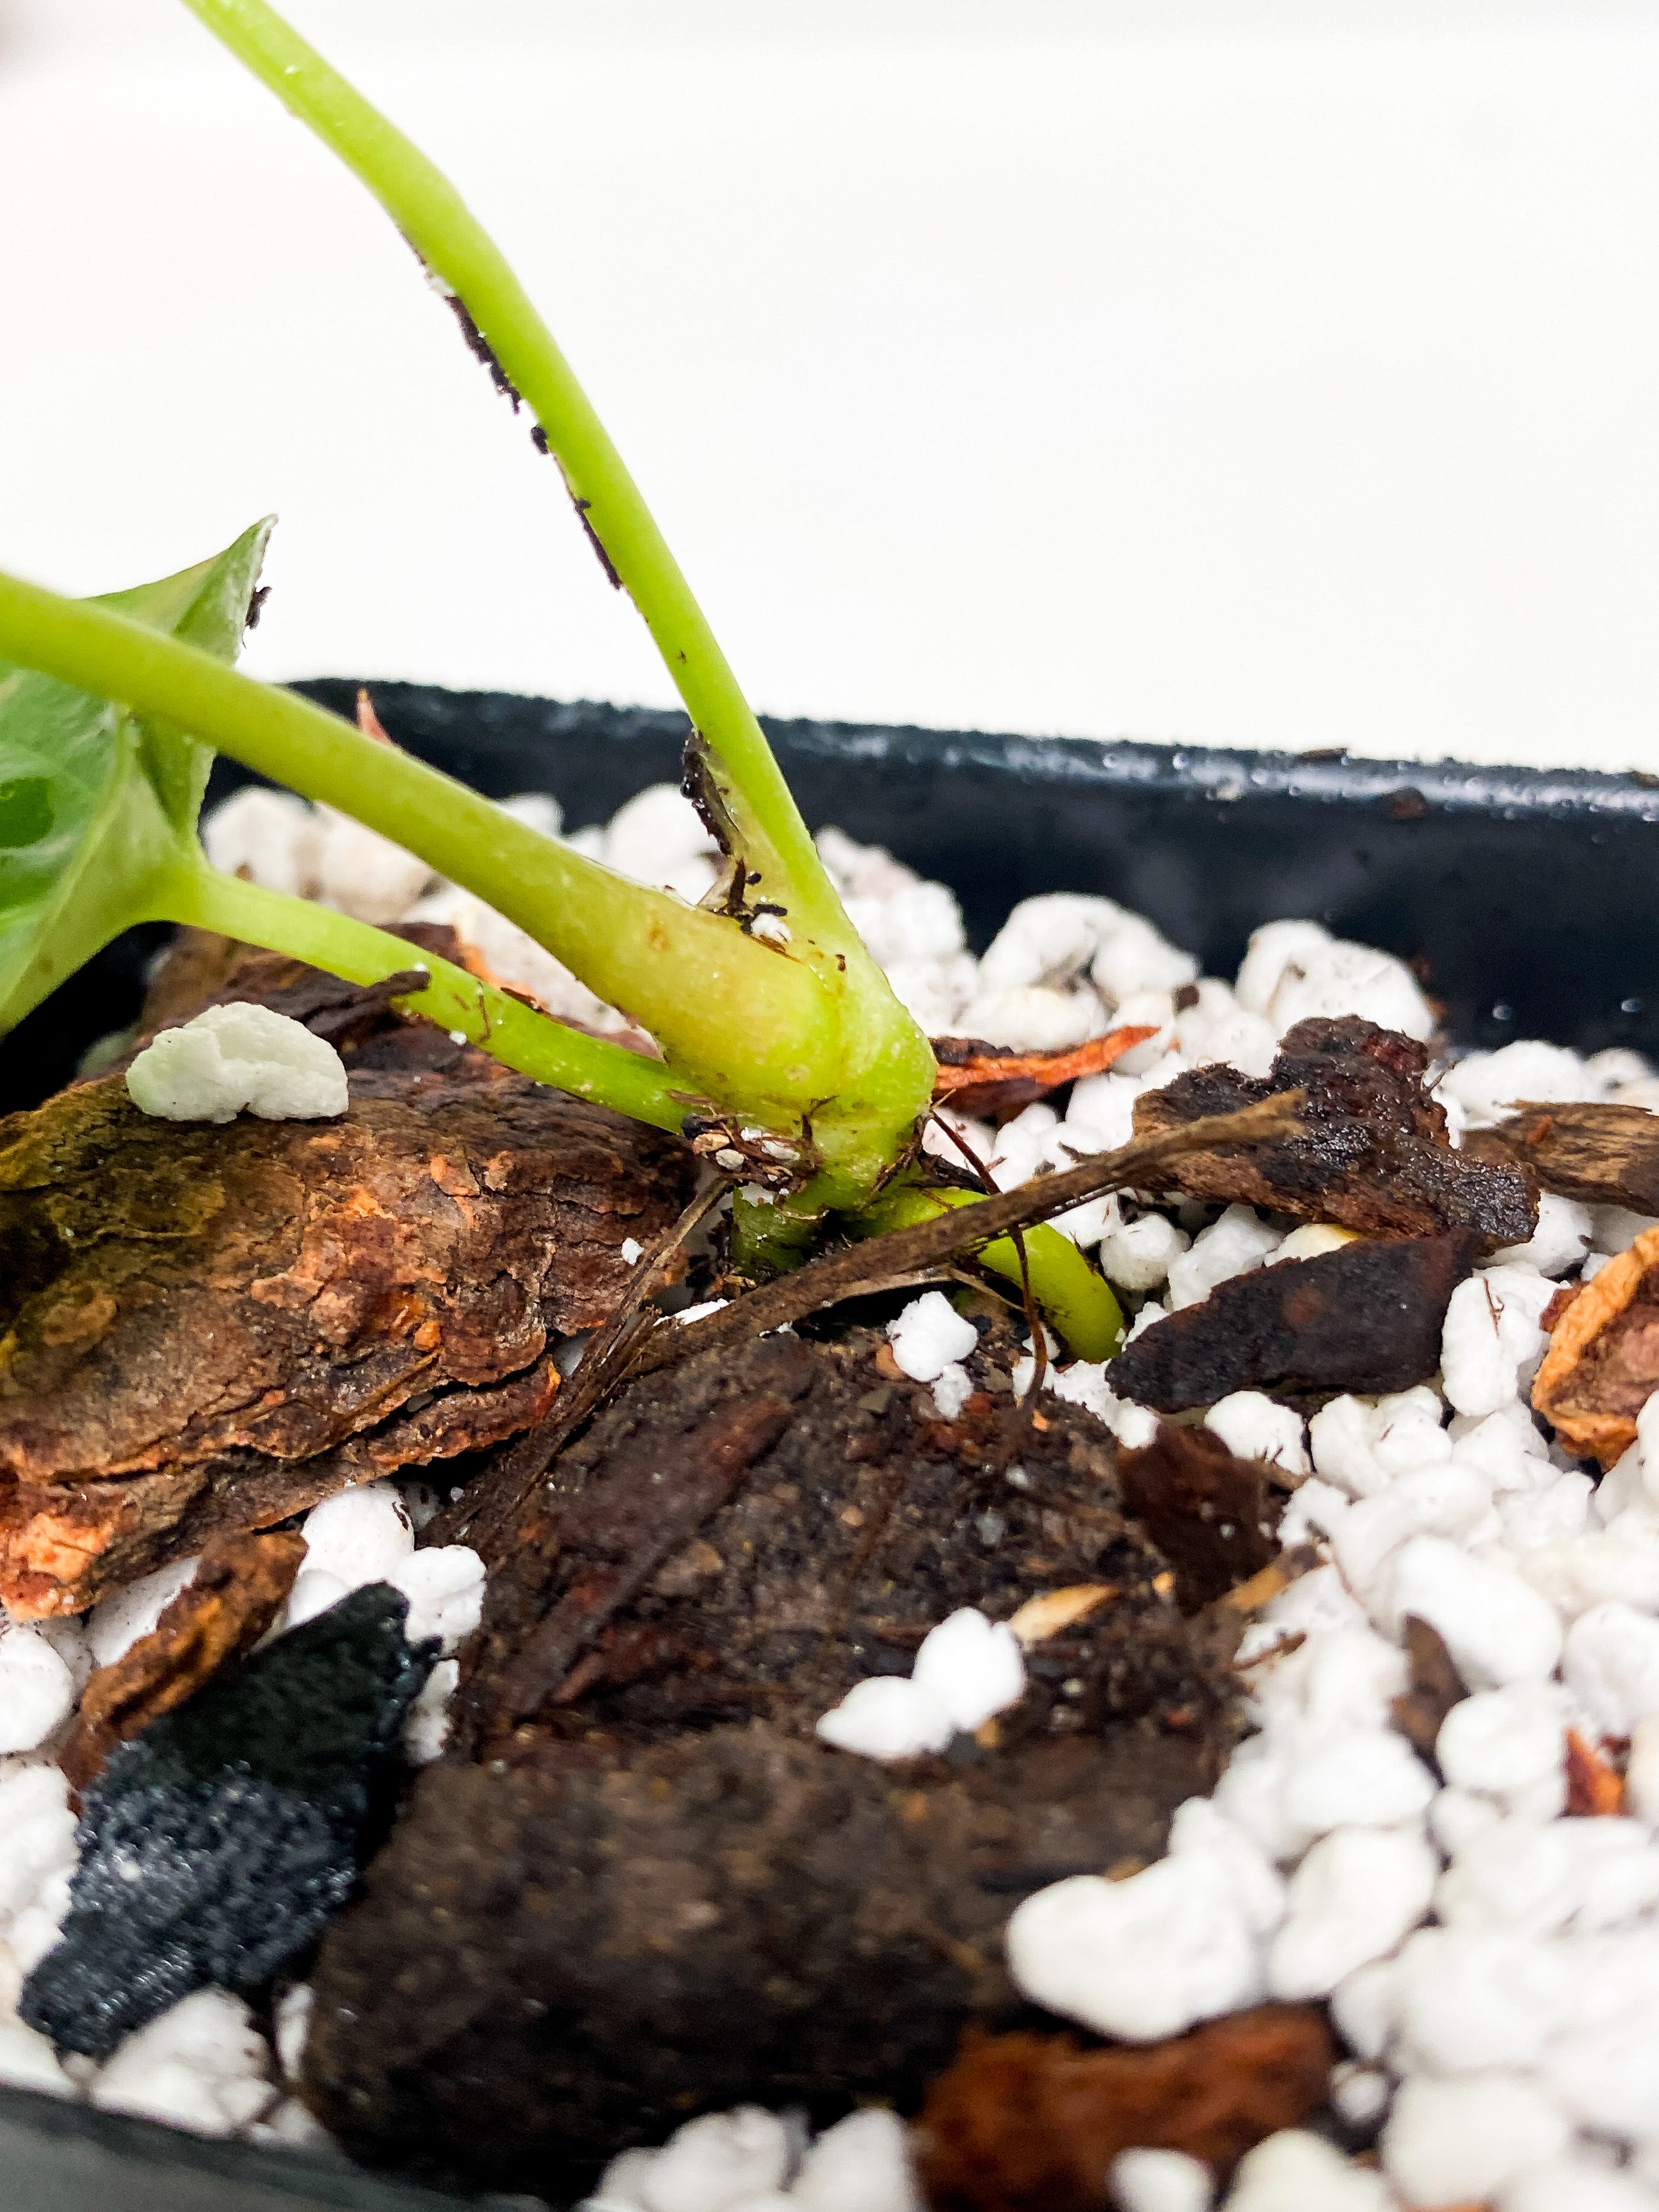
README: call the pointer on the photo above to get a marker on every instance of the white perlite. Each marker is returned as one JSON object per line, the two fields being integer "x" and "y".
{"x": 967, "y": 1670}
{"x": 750, "y": 2160}
{"x": 238, "y": 1057}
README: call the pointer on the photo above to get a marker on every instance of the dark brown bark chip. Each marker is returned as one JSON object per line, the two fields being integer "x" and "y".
{"x": 656, "y": 1892}
{"x": 1211, "y": 1513}
{"x": 1372, "y": 1153}
{"x": 1366, "y": 1318}
{"x": 1027, "y": 2122}
{"x": 1601, "y": 1155}
{"x": 1435, "y": 1686}
{"x": 237, "y": 1591}
{"x": 196, "y": 1316}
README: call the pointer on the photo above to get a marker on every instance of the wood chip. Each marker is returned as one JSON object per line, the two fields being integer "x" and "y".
{"x": 1601, "y": 1155}
{"x": 990, "y": 1080}
{"x": 1596, "y": 1787}
{"x": 1046, "y": 1615}
{"x": 1602, "y": 1364}
{"x": 1435, "y": 1686}
{"x": 1210, "y": 1513}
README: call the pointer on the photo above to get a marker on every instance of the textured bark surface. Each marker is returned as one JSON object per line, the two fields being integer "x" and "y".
{"x": 656, "y": 1892}
{"x": 1366, "y": 1318}
{"x": 1602, "y": 1364}
{"x": 1031, "y": 2123}
{"x": 1211, "y": 1514}
{"x": 1601, "y": 1155}
{"x": 238, "y": 1589}
{"x": 210, "y": 1328}
{"x": 1372, "y": 1152}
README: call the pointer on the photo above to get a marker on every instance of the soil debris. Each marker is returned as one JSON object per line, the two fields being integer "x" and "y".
{"x": 1434, "y": 1688}
{"x": 1027, "y": 2122}
{"x": 210, "y": 1328}
{"x": 237, "y": 1591}
{"x": 1367, "y": 1318}
{"x": 996, "y": 1081}
{"x": 1602, "y": 1364}
{"x": 1370, "y": 1150}
{"x": 223, "y": 1840}
{"x": 1600, "y": 1154}
{"x": 1211, "y": 1514}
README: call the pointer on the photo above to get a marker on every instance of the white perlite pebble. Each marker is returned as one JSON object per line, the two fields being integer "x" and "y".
{"x": 1353, "y": 1899}
{"x": 862, "y": 2164}
{"x": 1160, "y": 2181}
{"x": 270, "y": 836}
{"x": 1295, "y": 2172}
{"x": 236, "y": 1058}
{"x": 36, "y": 1689}
{"x": 1504, "y": 1741}
{"x": 358, "y": 1536}
{"x": 1457, "y": 2142}
{"x": 426, "y": 1731}
{"x": 1251, "y": 1424}
{"x": 1149, "y": 1956}
{"x": 714, "y": 2163}
{"x": 203, "y": 2065}
{"x": 1496, "y": 1626}
{"x": 1489, "y": 1086}
{"x": 1492, "y": 1341}
{"x": 1240, "y": 1239}
{"x": 929, "y": 1335}
{"x": 952, "y": 1387}
{"x": 445, "y": 1587}
{"x": 1611, "y": 1665}
{"x": 1293, "y": 969}
{"x": 1137, "y": 1255}
{"x": 968, "y": 1669}
{"x": 1560, "y": 1241}
{"x": 1574, "y": 2185}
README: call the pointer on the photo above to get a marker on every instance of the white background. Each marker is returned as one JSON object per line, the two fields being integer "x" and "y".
{"x": 1247, "y": 372}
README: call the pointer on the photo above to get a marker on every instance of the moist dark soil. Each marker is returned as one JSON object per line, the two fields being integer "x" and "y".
{"x": 639, "y": 1886}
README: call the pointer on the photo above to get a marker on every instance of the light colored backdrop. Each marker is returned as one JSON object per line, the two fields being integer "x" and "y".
{"x": 1249, "y": 373}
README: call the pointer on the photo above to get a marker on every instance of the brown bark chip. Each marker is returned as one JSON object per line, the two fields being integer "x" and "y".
{"x": 1027, "y": 2122}
{"x": 1211, "y": 1513}
{"x": 238, "y": 1591}
{"x": 1602, "y": 1364}
{"x": 209, "y": 1326}
{"x": 1435, "y": 1686}
{"x": 1601, "y": 1155}
{"x": 657, "y": 1892}
{"x": 1366, "y": 1318}
{"x": 1371, "y": 1151}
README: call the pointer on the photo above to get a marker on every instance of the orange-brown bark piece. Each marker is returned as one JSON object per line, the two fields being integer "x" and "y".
{"x": 1209, "y": 1512}
{"x": 978, "y": 1078}
{"x": 205, "y": 1326}
{"x": 1435, "y": 1686}
{"x": 1596, "y": 1787}
{"x": 238, "y": 1592}
{"x": 1028, "y": 2122}
{"x": 1598, "y": 1153}
{"x": 1602, "y": 1365}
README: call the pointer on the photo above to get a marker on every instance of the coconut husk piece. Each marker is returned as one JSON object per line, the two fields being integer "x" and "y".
{"x": 1028, "y": 2122}
{"x": 1602, "y": 1364}
{"x": 239, "y": 1586}
{"x": 1370, "y": 1149}
{"x": 1601, "y": 1155}
{"x": 994, "y": 1079}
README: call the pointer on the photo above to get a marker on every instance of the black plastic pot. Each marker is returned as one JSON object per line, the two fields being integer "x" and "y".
{"x": 1528, "y": 901}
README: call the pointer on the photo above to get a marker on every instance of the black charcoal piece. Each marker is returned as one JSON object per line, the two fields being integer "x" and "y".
{"x": 223, "y": 1840}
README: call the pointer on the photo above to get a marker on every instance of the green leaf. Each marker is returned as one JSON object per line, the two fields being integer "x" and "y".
{"x": 95, "y": 803}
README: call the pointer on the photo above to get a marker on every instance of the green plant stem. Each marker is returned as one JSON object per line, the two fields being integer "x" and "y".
{"x": 437, "y": 222}
{"x": 511, "y": 1031}
{"x": 747, "y": 1025}
{"x": 1081, "y": 1304}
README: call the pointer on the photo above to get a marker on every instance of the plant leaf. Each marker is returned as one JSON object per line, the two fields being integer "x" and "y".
{"x": 95, "y": 802}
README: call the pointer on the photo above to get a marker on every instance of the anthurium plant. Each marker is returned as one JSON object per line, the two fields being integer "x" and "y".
{"x": 783, "y": 1048}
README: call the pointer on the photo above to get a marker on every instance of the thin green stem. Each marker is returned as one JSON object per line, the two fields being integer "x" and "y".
{"x": 750, "y": 1026}
{"x": 511, "y": 1031}
{"x": 437, "y": 222}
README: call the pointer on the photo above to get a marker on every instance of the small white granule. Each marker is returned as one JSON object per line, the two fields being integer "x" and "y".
{"x": 1611, "y": 1664}
{"x": 1576, "y": 1572}
{"x": 1490, "y": 1086}
{"x": 1467, "y": 1998}
{"x": 1459, "y": 2141}
{"x": 862, "y": 2164}
{"x": 1362, "y": 1447}
{"x": 445, "y": 1587}
{"x": 291, "y": 2023}
{"x": 1252, "y": 1426}
{"x": 1540, "y": 1876}
{"x": 1506, "y": 1742}
{"x": 1151, "y": 1956}
{"x": 1035, "y": 1019}
{"x": 1642, "y": 1772}
{"x": 1160, "y": 2181}
{"x": 1360, "y": 1777}
{"x": 659, "y": 838}
{"x": 37, "y": 1852}
{"x": 1359, "y": 2095}
{"x": 1295, "y": 969}
{"x": 1239, "y": 1241}
{"x": 1492, "y": 1341}
{"x": 631, "y": 1252}
{"x": 929, "y": 1335}
{"x": 1312, "y": 1241}
{"x": 1145, "y": 1010}
{"x": 1048, "y": 940}
{"x": 1134, "y": 957}
{"x": 426, "y": 1731}
{"x": 952, "y": 1387}
{"x": 1354, "y": 1898}
{"x": 236, "y": 1057}
{"x": 968, "y": 1669}
{"x": 1560, "y": 1241}
{"x": 269, "y": 836}
{"x": 1023, "y": 1146}
{"x": 1295, "y": 2172}
{"x": 1433, "y": 1501}
{"x": 1496, "y": 1626}
{"x": 1617, "y": 1228}
{"x": 1137, "y": 1255}
{"x": 1574, "y": 2184}
{"x": 722, "y": 2160}
{"x": 362, "y": 873}
{"x": 36, "y": 1689}
{"x": 358, "y": 1536}
{"x": 201, "y": 2066}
